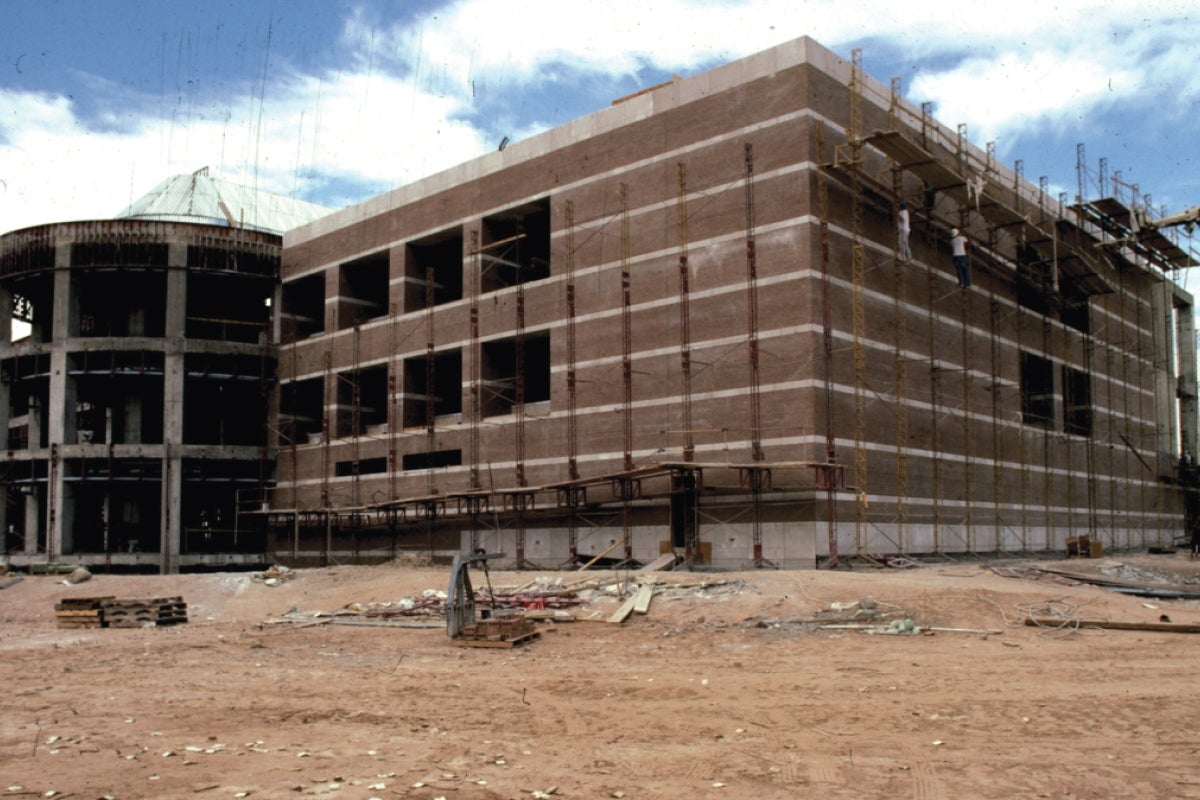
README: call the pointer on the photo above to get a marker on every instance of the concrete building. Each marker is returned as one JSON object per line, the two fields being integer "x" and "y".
{"x": 136, "y": 394}
{"x": 686, "y": 322}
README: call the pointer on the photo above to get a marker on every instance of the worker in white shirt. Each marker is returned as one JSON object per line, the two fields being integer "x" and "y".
{"x": 958, "y": 249}
{"x": 903, "y": 228}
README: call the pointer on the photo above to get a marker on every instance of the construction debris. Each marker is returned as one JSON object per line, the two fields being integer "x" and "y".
{"x": 463, "y": 626}
{"x": 1140, "y": 588}
{"x": 78, "y": 575}
{"x": 52, "y": 569}
{"x": 274, "y": 575}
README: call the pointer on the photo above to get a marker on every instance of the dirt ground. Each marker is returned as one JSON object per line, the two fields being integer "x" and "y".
{"x": 718, "y": 692}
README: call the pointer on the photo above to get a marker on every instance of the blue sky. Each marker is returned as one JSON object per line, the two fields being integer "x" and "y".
{"x": 337, "y": 101}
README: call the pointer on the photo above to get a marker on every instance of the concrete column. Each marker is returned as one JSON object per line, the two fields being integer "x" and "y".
{"x": 33, "y": 521}
{"x": 172, "y": 399}
{"x": 60, "y": 406}
{"x": 176, "y": 290}
{"x": 277, "y": 314}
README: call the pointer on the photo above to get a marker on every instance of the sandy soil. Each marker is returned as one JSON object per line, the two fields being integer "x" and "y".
{"x": 718, "y": 692}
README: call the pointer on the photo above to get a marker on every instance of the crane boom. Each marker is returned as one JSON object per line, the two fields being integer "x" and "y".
{"x": 1187, "y": 218}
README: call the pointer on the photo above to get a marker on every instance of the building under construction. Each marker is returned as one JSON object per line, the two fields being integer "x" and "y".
{"x": 136, "y": 391}
{"x": 687, "y": 323}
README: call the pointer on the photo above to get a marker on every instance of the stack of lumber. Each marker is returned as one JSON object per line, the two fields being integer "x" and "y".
{"x": 113, "y": 612}
{"x": 80, "y": 612}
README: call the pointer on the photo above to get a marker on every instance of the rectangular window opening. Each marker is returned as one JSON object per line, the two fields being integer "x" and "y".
{"x": 1035, "y": 282}
{"x": 1077, "y": 402}
{"x": 447, "y": 383}
{"x": 507, "y": 369}
{"x": 432, "y": 460}
{"x": 1037, "y": 391}
{"x": 364, "y": 466}
{"x": 363, "y": 289}
{"x": 303, "y": 312}
{"x": 301, "y": 407}
{"x": 516, "y": 246}
{"x": 362, "y": 400}
{"x": 1075, "y": 309}
{"x": 439, "y": 256}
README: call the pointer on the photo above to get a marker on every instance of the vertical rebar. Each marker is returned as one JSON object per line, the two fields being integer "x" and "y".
{"x": 475, "y": 356}
{"x": 858, "y": 311}
{"x": 626, "y": 377}
{"x": 572, "y": 421}
{"x": 685, "y": 325}
{"x": 756, "y": 452}
{"x": 430, "y": 379}
{"x": 626, "y": 336}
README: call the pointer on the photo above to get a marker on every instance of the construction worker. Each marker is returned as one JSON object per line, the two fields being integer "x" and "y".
{"x": 903, "y": 228}
{"x": 958, "y": 249}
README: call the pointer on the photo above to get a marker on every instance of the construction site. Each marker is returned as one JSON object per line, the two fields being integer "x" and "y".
{"x": 650, "y": 377}
{"x": 770, "y": 315}
{"x": 687, "y": 324}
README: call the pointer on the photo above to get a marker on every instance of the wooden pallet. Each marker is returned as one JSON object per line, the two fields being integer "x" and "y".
{"x": 144, "y": 612}
{"x": 497, "y": 632}
{"x": 465, "y": 641}
{"x": 80, "y": 612}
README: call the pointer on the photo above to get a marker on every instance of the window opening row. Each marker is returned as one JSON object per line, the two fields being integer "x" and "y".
{"x": 514, "y": 249}
{"x": 361, "y": 402}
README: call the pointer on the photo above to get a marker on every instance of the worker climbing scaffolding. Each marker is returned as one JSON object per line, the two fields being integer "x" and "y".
{"x": 903, "y": 228}
{"x": 958, "y": 249}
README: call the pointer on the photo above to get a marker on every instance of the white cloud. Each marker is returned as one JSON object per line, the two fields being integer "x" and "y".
{"x": 417, "y": 97}
{"x": 1014, "y": 92}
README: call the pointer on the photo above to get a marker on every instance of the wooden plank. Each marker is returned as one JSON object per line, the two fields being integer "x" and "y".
{"x": 1166, "y": 627}
{"x": 370, "y": 623}
{"x": 611, "y": 547}
{"x": 548, "y": 615}
{"x": 665, "y": 561}
{"x": 641, "y": 601}
{"x": 81, "y": 602}
{"x": 624, "y": 611}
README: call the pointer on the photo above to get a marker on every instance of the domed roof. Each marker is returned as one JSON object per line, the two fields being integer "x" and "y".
{"x": 203, "y": 198}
